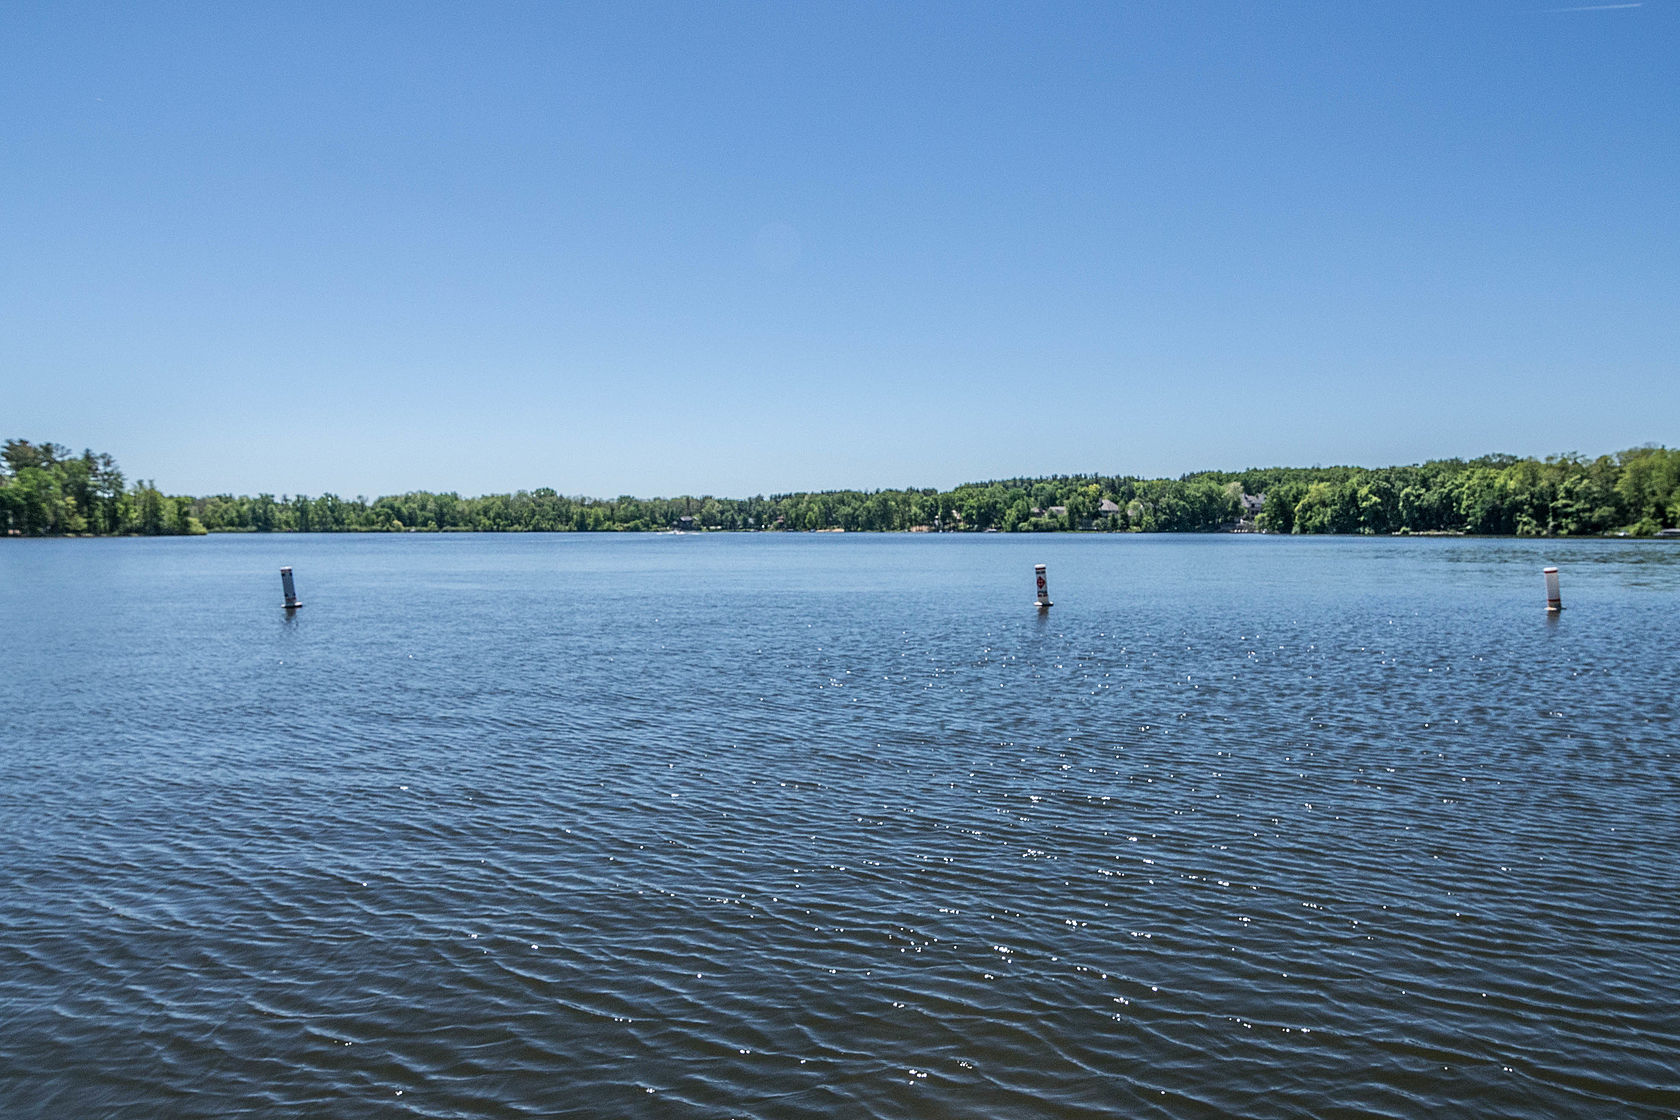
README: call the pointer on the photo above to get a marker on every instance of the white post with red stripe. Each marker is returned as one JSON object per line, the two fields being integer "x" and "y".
{"x": 1043, "y": 600}
{"x": 1554, "y": 601}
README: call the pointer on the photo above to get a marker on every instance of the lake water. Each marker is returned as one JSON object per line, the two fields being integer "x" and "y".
{"x": 799, "y": 826}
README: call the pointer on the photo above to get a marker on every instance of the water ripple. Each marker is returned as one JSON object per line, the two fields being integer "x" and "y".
{"x": 746, "y": 832}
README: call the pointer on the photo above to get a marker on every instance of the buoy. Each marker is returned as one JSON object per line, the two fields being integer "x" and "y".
{"x": 1554, "y": 601}
{"x": 292, "y": 603}
{"x": 1043, "y": 600}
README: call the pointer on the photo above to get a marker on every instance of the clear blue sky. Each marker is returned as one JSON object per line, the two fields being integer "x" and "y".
{"x": 744, "y": 248}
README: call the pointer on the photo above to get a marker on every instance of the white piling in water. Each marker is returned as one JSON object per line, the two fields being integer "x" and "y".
{"x": 1043, "y": 599}
{"x": 286, "y": 586}
{"x": 1554, "y": 601}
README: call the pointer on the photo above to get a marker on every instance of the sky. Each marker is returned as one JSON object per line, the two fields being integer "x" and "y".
{"x": 745, "y": 248}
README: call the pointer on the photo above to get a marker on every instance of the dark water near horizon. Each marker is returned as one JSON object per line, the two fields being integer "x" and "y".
{"x": 798, "y": 826}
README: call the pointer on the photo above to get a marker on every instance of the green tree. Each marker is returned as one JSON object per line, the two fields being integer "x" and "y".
{"x": 150, "y": 516}
{"x": 1316, "y": 509}
{"x": 38, "y": 500}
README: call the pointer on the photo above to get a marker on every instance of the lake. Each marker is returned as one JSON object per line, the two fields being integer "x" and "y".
{"x": 839, "y": 825}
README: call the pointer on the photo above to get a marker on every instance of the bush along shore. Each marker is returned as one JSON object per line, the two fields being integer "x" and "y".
{"x": 46, "y": 490}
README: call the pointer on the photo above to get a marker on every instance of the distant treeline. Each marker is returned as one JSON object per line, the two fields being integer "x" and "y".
{"x": 47, "y": 490}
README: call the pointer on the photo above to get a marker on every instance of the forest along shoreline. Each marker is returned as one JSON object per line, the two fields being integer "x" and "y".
{"x": 47, "y": 490}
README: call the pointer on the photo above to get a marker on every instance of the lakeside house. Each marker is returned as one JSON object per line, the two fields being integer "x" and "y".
{"x": 1248, "y": 520}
